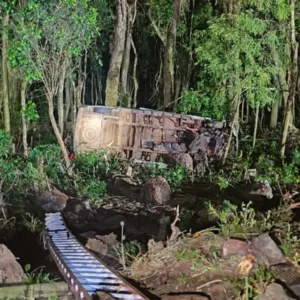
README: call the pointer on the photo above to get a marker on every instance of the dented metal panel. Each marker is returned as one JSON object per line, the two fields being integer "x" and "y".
{"x": 138, "y": 133}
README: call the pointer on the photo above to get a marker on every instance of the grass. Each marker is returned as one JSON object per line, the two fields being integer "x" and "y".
{"x": 36, "y": 276}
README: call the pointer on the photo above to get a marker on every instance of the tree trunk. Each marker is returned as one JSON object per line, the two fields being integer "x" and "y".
{"x": 68, "y": 89}
{"x": 58, "y": 134}
{"x": 255, "y": 125}
{"x": 187, "y": 78}
{"x": 24, "y": 122}
{"x": 283, "y": 86}
{"x": 126, "y": 56}
{"x": 60, "y": 99}
{"x": 169, "y": 56}
{"x": 274, "y": 114}
{"x": 136, "y": 83}
{"x": 84, "y": 77}
{"x": 234, "y": 123}
{"x": 5, "y": 22}
{"x": 293, "y": 81}
{"x": 113, "y": 76}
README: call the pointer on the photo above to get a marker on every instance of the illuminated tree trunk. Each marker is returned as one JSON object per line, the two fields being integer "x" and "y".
{"x": 113, "y": 76}
{"x": 24, "y": 123}
{"x": 5, "y": 92}
{"x": 283, "y": 85}
{"x": 293, "y": 81}
{"x": 169, "y": 56}
{"x": 60, "y": 99}
{"x": 57, "y": 133}
{"x": 126, "y": 56}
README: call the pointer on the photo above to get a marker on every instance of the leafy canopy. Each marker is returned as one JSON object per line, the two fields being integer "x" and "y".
{"x": 46, "y": 33}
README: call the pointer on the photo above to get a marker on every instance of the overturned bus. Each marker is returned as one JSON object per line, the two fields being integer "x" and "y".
{"x": 145, "y": 134}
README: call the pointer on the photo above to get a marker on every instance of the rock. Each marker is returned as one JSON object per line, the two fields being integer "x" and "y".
{"x": 274, "y": 291}
{"x": 112, "y": 223}
{"x": 88, "y": 234}
{"x": 97, "y": 246}
{"x": 183, "y": 159}
{"x": 263, "y": 189}
{"x": 208, "y": 243}
{"x": 156, "y": 190}
{"x": 234, "y": 247}
{"x": 216, "y": 291}
{"x": 109, "y": 239}
{"x": 78, "y": 206}
{"x": 265, "y": 251}
{"x": 10, "y": 269}
{"x": 124, "y": 186}
{"x": 52, "y": 201}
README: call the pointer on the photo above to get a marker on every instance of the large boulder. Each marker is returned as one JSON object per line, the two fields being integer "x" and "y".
{"x": 52, "y": 201}
{"x": 183, "y": 159}
{"x": 10, "y": 269}
{"x": 265, "y": 251}
{"x": 156, "y": 190}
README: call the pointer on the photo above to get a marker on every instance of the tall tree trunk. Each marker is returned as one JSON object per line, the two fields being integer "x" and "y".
{"x": 113, "y": 76}
{"x": 58, "y": 134}
{"x": 24, "y": 122}
{"x": 78, "y": 89}
{"x": 60, "y": 99}
{"x": 126, "y": 56}
{"x": 283, "y": 86}
{"x": 274, "y": 114}
{"x": 84, "y": 76}
{"x": 187, "y": 78}
{"x": 68, "y": 88}
{"x": 169, "y": 56}
{"x": 293, "y": 81}
{"x": 235, "y": 124}
{"x": 136, "y": 83}
{"x": 5, "y": 21}
{"x": 255, "y": 125}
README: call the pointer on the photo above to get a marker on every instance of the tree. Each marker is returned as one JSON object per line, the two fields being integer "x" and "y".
{"x": 5, "y": 8}
{"x": 113, "y": 76}
{"x": 293, "y": 80}
{"x": 165, "y": 25}
{"x": 47, "y": 35}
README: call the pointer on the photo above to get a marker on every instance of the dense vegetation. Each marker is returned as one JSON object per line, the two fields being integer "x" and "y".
{"x": 229, "y": 59}
{"x": 234, "y": 60}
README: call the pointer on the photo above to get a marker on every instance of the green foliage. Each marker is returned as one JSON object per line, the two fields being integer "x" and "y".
{"x": 32, "y": 223}
{"x": 234, "y": 58}
{"x": 175, "y": 175}
{"x": 36, "y": 276}
{"x": 195, "y": 102}
{"x": 269, "y": 168}
{"x": 94, "y": 189}
{"x": 31, "y": 112}
{"x": 161, "y": 12}
{"x": 241, "y": 222}
{"x": 66, "y": 27}
{"x": 5, "y": 143}
{"x": 255, "y": 283}
{"x": 187, "y": 254}
{"x": 132, "y": 248}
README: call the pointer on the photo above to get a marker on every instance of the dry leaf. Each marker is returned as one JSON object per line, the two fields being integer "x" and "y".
{"x": 246, "y": 264}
